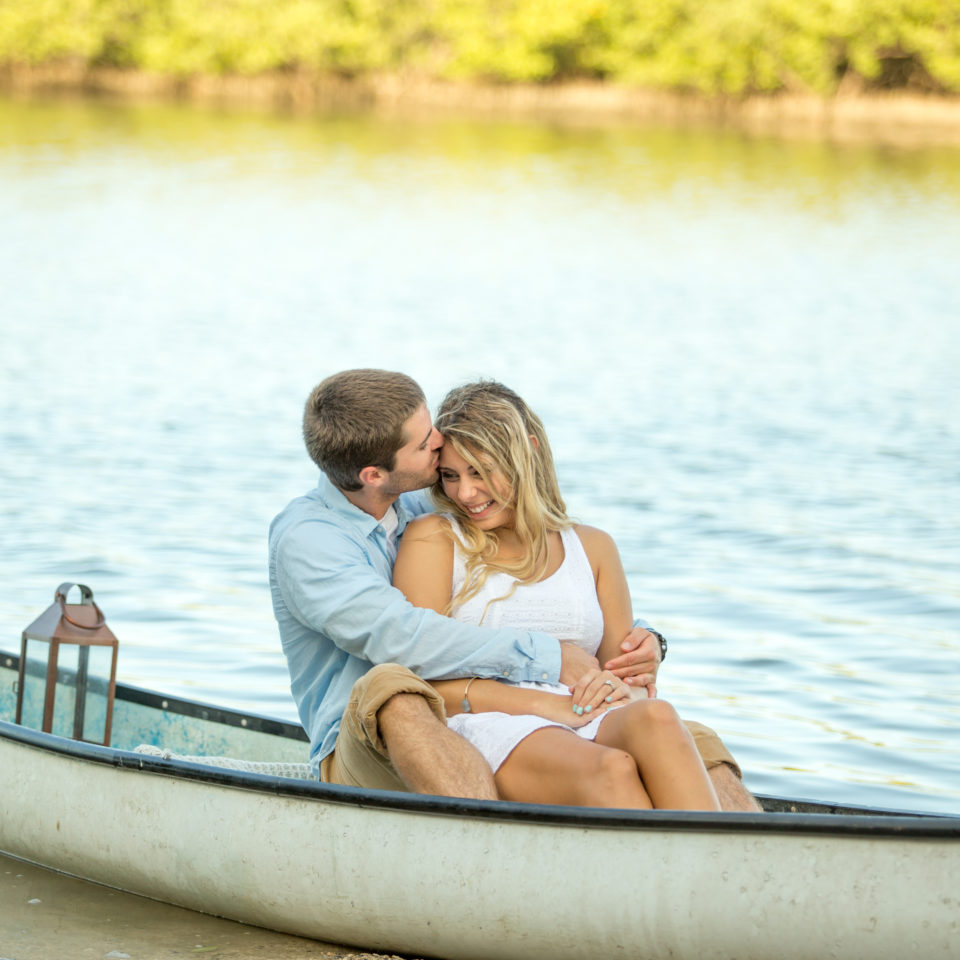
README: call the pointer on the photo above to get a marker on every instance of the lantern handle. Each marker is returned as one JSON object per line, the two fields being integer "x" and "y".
{"x": 86, "y": 599}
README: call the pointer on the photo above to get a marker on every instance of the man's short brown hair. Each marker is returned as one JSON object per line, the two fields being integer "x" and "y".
{"x": 355, "y": 419}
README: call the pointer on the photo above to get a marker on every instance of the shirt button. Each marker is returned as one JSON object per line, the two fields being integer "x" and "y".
{"x": 544, "y": 676}
{"x": 506, "y": 673}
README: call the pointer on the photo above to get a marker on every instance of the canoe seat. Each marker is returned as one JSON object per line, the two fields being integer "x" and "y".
{"x": 293, "y": 771}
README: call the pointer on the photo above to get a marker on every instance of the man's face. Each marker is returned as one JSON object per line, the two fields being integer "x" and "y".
{"x": 416, "y": 462}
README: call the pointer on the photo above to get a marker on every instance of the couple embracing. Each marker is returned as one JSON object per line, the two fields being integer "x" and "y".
{"x": 450, "y": 630}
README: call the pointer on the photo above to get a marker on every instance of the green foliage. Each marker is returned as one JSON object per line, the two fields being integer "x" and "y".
{"x": 710, "y": 46}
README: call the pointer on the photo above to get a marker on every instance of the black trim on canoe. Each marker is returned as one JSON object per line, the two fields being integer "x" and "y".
{"x": 831, "y": 820}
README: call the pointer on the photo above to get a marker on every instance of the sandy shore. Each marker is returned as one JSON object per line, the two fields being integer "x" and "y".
{"x": 46, "y": 916}
{"x": 895, "y": 118}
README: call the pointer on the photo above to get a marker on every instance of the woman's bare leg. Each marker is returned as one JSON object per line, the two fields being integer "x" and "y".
{"x": 670, "y": 766}
{"x": 553, "y": 765}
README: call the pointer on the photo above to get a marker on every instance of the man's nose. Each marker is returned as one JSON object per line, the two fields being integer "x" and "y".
{"x": 436, "y": 439}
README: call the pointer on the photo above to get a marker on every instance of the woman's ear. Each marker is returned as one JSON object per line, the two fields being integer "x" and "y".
{"x": 535, "y": 442}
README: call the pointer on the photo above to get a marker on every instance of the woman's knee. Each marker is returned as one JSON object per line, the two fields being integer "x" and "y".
{"x": 611, "y": 779}
{"x": 655, "y": 715}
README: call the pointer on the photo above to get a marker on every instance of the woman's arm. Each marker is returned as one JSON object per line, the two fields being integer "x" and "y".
{"x": 423, "y": 570}
{"x": 492, "y": 696}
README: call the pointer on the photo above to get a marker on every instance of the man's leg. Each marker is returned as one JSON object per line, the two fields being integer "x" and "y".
{"x": 724, "y": 772}
{"x": 428, "y": 756}
{"x": 734, "y": 797}
{"x": 394, "y": 736}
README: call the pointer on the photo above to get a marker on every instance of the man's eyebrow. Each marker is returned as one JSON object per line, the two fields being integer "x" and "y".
{"x": 427, "y": 437}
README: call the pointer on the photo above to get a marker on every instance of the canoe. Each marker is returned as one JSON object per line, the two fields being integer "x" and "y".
{"x": 208, "y": 808}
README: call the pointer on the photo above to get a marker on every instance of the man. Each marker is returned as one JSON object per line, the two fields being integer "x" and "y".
{"x": 358, "y": 651}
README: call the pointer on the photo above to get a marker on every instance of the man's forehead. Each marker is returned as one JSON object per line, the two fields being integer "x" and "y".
{"x": 418, "y": 427}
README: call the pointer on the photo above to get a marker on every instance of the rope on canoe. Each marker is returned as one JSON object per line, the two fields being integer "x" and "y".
{"x": 293, "y": 771}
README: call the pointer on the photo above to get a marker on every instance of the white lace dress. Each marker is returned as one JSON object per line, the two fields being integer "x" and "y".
{"x": 564, "y": 605}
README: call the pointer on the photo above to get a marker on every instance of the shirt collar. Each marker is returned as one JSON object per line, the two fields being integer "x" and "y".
{"x": 334, "y": 499}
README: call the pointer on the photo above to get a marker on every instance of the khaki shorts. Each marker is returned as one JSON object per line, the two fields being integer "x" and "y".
{"x": 713, "y": 752}
{"x": 360, "y": 757}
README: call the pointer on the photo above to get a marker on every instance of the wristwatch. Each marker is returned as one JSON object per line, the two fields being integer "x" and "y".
{"x": 662, "y": 640}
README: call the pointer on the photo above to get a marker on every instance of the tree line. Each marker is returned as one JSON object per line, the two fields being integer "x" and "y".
{"x": 731, "y": 47}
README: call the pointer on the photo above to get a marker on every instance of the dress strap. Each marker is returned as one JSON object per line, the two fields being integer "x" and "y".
{"x": 575, "y": 556}
{"x": 459, "y": 559}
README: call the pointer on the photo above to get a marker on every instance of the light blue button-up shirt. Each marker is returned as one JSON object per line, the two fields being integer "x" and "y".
{"x": 330, "y": 580}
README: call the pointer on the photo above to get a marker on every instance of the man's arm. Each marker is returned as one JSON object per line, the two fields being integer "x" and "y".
{"x": 328, "y": 584}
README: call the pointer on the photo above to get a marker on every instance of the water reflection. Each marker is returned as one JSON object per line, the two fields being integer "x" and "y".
{"x": 684, "y": 168}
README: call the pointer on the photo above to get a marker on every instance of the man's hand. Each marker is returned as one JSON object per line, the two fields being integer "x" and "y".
{"x": 575, "y": 662}
{"x": 639, "y": 662}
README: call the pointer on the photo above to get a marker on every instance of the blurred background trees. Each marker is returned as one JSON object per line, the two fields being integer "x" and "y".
{"x": 731, "y": 47}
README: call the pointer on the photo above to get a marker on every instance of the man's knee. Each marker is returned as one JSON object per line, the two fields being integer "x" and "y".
{"x": 406, "y": 708}
{"x": 394, "y": 686}
{"x": 383, "y": 680}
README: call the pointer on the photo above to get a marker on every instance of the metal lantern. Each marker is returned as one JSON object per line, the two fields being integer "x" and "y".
{"x": 68, "y": 670}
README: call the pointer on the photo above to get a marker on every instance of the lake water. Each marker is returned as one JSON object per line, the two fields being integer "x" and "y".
{"x": 746, "y": 352}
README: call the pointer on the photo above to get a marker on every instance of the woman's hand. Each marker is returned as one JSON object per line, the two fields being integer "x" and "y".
{"x": 595, "y": 691}
{"x": 559, "y": 709}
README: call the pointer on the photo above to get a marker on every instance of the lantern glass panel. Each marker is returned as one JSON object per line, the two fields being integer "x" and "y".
{"x": 34, "y": 683}
{"x": 99, "y": 669}
{"x": 65, "y": 698}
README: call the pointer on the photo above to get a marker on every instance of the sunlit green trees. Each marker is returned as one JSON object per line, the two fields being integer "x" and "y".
{"x": 709, "y": 46}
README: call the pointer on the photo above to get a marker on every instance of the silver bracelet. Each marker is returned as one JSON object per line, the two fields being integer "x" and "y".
{"x": 465, "y": 702}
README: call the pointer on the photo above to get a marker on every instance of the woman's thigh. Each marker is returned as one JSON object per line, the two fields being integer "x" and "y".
{"x": 552, "y": 765}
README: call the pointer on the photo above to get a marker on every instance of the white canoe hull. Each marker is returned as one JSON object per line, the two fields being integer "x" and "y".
{"x": 465, "y": 887}
{"x": 463, "y": 880}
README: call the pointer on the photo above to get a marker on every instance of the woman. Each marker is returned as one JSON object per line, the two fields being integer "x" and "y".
{"x": 504, "y": 553}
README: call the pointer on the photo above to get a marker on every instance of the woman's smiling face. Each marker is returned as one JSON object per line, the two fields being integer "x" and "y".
{"x": 466, "y": 488}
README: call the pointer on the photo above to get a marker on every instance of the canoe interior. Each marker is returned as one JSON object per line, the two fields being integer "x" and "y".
{"x": 180, "y": 726}
{"x": 194, "y": 729}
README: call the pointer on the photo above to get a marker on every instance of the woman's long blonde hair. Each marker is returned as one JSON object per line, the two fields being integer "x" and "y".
{"x": 491, "y": 427}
